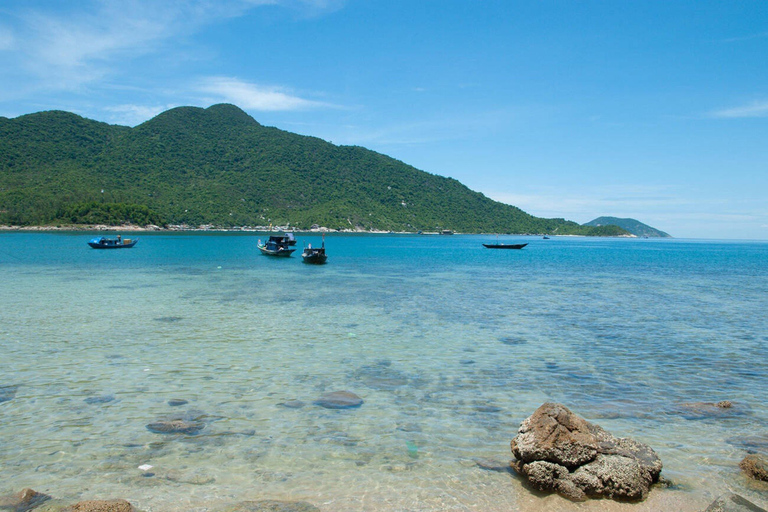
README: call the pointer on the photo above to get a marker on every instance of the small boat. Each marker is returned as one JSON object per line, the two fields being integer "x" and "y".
{"x": 272, "y": 248}
{"x": 545, "y": 237}
{"x": 112, "y": 243}
{"x": 504, "y": 246}
{"x": 446, "y": 232}
{"x": 315, "y": 255}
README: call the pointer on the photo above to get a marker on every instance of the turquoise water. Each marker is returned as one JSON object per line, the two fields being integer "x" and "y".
{"x": 449, "y": 344}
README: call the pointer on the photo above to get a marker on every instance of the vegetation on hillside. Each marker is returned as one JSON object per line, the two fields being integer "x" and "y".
{"x": 218, "y": 166}
{"x": 631, "y": 225}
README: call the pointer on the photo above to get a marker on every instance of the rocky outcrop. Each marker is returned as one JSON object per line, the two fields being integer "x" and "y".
{"x": 755, "y": 466}
{"x": 558, "y": 451}
{"x": 730, "y": 502}
{"x": 22, "y": 501}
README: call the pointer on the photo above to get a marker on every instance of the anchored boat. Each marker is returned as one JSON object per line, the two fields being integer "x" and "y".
{"x": 112, "y": 243}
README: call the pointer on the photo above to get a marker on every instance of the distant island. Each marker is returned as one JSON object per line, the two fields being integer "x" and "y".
{"x": 219, "y": 167}
{"x": 635, "y": 227}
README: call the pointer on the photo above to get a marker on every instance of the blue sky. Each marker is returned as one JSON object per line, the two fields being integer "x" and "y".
{"x": 656, "y": 110}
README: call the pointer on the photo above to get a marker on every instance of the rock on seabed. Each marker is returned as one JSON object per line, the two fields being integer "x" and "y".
{"x": 339, "y": 400}
{"x": 558, "y": 451}
{"x": 730, "y": 502}
{"x": 756, "y": 466}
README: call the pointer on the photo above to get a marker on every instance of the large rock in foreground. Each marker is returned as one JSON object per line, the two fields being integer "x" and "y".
{"x": 561, "y": 452}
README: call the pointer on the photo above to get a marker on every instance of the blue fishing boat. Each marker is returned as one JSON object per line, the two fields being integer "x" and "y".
{"x": 272, "y": 248}
{"x": 112, "y": 243}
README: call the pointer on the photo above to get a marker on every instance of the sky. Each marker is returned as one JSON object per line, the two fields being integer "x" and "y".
{"x": 651, "y": 109}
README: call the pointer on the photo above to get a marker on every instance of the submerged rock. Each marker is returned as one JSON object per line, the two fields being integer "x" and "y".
{"x": 7, "y": 393}
{"x": 562, "y": 452}
{"x": 339, "y": 400}
{"x": 750, "y": 443}
{"x": 104, "y": 399}
{"x": 730, "y": 502}
{"x": 292, "y": 404}
{"x": 273, "y": 506}
{"x": 22, "y": 501}
{"x": 703, "y": 410}
{"x": 176, "y": 426}
{"x": 756, "y": 466}
{"x": 101, "y": 506}
{"x": 381, "y": 376}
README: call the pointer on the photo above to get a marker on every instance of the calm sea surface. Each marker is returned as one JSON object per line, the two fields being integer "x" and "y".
{"x": 449, "y": 344}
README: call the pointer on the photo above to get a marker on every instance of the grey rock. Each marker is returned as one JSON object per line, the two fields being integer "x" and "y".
{"x": 339, "y": 400}
{"x": 730, "y": 502}
{"x": 176, "y": 402}
{"x": 558, "y": 451}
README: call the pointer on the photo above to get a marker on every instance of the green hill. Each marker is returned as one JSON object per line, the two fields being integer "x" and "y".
{"x": 633, "y": 226}
{"x": 218, "y": 166}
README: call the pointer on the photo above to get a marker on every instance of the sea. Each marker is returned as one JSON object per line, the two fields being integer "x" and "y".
{"x": 449, "y": 345}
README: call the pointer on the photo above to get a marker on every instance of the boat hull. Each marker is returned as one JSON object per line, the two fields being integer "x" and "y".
{"x": 315, "y": 258}
{"x": 279, "y": 252}
{"x": 100, "y": 245}
{"x": 504, "y": 246}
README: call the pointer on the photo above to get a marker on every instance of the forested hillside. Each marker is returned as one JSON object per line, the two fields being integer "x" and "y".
{"x": 631, "y": 225}
{"x": 219, "y": 166}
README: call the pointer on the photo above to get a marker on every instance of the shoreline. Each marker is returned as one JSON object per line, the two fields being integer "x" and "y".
{"x": 253, "y": 229}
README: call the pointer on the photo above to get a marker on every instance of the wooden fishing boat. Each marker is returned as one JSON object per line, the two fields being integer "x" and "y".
{"x": 272, "y": 248}
{"x": 504, "y": 246}
{"x": 315, "y": 255}
{"x": 112, "y": 243}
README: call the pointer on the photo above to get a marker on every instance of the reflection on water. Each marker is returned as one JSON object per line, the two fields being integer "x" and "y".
{"x": 449, "y": 346}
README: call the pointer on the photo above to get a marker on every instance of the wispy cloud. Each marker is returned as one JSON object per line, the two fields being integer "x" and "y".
{"x": 628, "y": 201}
{"x": 67, "y": 48}
{"x": 256, "y": 97}
{"x": 755, "y": 109}
{"x": 131, "y": 115}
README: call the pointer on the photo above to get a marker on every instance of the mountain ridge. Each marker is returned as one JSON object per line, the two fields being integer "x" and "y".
{"x": 219, "y": 166}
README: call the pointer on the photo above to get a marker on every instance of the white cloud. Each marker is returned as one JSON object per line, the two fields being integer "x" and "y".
{"x": 131, "y": 115}
{"x": 756, "y": 109}
{"x": 255, "y": 97}
{"x": 627, "y": 201}
{"x": 68, "y": 48}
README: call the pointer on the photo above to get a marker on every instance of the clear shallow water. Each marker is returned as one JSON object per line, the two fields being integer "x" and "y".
{"x": 450, "y": 345}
